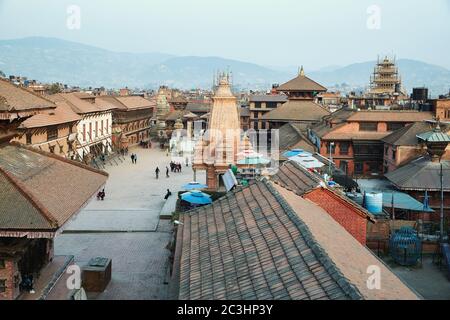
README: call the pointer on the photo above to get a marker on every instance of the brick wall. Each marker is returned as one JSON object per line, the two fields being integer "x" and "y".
{"x": 9, "y": 273}
{"x": 341, "y": 211}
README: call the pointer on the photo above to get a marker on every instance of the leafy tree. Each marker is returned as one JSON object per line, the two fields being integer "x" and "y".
{"x": 54, "y": 89}
{"x": 2, "y": 74}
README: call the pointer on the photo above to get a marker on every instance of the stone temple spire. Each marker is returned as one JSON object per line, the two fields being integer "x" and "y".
{"x": 220, "y": 145}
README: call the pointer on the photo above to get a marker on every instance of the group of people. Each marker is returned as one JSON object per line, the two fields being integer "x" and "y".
{"x": 175, "y": 167}
{"x": 134, "y": 158}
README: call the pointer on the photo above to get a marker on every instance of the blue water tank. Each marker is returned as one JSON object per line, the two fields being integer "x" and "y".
{"x": 374, "y": 202}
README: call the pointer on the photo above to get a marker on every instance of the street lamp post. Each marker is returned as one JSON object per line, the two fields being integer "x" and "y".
{"x": 331, "y": 157}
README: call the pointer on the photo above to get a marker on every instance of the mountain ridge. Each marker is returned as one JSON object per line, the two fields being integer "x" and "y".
{"x": 55, "y": 60}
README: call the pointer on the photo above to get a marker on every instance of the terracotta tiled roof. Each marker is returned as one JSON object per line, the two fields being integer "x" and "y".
{"x": 136, "y": 102}
{"x": 391, "y": 116}
{"x": 268, "y": 98}
{"x": 297, "y": 110}
{"x": 42, "y": 191}
{"x": 251, "y": 245}
{"x": 291, "y": 176}
{"x": 350, "y": 257}
{"x": 266, "y": 242}
{"x": 13, "y": 98}
{"x": 421, "y": 174}
{"x": 355, "y": 135}
{"x": 291, "y": 137}
{"x": 407, "y": 136}
{"x": 126, "y": 102}
{"x": 301, "y": 83}
{"x": 199, "y": 107}
{"x": 79, "y": 105}
{"x": 62, "y": 114}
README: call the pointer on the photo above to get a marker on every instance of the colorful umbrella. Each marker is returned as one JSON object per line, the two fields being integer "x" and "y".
{"x": 196, "y": 197}
{"x": 194, "y": 186}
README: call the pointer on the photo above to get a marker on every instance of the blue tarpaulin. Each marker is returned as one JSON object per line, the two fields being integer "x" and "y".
{"x": 403, "y": 201}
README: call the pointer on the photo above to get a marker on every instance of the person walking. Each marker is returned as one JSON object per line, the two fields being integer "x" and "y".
{"x": 157, "y": 172}
{"x": 132, "y": 158}
{"x": 135, "y": 158}
{"x": 167, "y": 172}
{"x": 168, "y": 194}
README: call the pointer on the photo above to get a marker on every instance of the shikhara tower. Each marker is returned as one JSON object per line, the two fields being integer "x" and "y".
{"x": 221, "y": 143}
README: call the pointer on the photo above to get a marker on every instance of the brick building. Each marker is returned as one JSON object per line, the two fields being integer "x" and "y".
{"x": 356, "y": 143}
{"x": 349, "y": 215}
{"x": 403, "y": 146}
{"x": 131, "y": 118}
{"x": 259, "y": 105}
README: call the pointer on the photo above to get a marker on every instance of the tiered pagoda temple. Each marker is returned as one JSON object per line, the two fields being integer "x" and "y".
{"x": 385, "y": 78}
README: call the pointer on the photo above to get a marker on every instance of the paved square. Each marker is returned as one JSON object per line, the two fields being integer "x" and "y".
{"x": 126, "y": 227}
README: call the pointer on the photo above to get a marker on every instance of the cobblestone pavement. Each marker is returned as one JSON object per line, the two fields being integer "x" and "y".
{"x": 130, "y": 212}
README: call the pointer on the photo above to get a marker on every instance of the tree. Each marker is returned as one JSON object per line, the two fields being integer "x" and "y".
{"x": 54, "y": 89}
{"x": 2, "y": 74}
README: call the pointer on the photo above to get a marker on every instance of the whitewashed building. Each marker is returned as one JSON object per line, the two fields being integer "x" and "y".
{"x": 94, "y": 131}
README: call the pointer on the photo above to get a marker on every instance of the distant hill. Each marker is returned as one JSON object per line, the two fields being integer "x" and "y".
{"x": 55, "y": 60}
{"x": 413, "y": 73}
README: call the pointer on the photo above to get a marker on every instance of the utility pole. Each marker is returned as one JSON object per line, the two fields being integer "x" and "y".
{"x": 442, "y": 206}
{"x": 331, "y": 157}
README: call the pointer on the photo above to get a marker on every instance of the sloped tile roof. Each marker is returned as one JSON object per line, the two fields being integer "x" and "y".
{"x": 421, "y": 174}
{"x": 268, "y": 98}
{"x": 13, "y": 98}
{"x": 291, "y": 176}
{"x": 390, "y": 116}
{"x": 77, "y": 102}
{"x": 350, "y": 257}
{"x": 62, "y": 114}
{"x": 297, "y": 110}
{"x": 301, "y": 83}
{"x": 251, "y": 245}
{"x": 126, "y": 102}
{"x": 355, "y": 136}
{"x": 291, "y": 137}
{"x": 47, "y": 190}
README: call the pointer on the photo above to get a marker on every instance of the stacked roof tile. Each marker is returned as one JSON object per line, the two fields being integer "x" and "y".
{"x": 41, "y": 187}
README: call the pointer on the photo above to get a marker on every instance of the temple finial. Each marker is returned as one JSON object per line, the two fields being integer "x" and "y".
{"x": 301, "y": 72}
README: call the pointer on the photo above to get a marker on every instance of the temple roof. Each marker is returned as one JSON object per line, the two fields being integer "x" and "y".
{"x": 297, "y": 110}
{"x": 301, "y": 83}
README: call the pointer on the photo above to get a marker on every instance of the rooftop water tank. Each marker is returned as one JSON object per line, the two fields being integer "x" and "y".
{"x": 374, "y": 202}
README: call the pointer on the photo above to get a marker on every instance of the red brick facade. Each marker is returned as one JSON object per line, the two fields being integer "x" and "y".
{"x": 347, "y": 215}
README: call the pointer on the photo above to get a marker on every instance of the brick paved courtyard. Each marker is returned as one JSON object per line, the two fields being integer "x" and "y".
{"x": 126, "y": 228}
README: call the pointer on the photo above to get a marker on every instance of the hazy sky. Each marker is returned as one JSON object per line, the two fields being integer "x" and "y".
{"x": 279, "y": 33}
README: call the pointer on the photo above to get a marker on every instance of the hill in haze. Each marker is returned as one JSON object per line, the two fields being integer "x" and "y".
{"x": 413, "y": 73}
{"x": 55, "y": 60}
